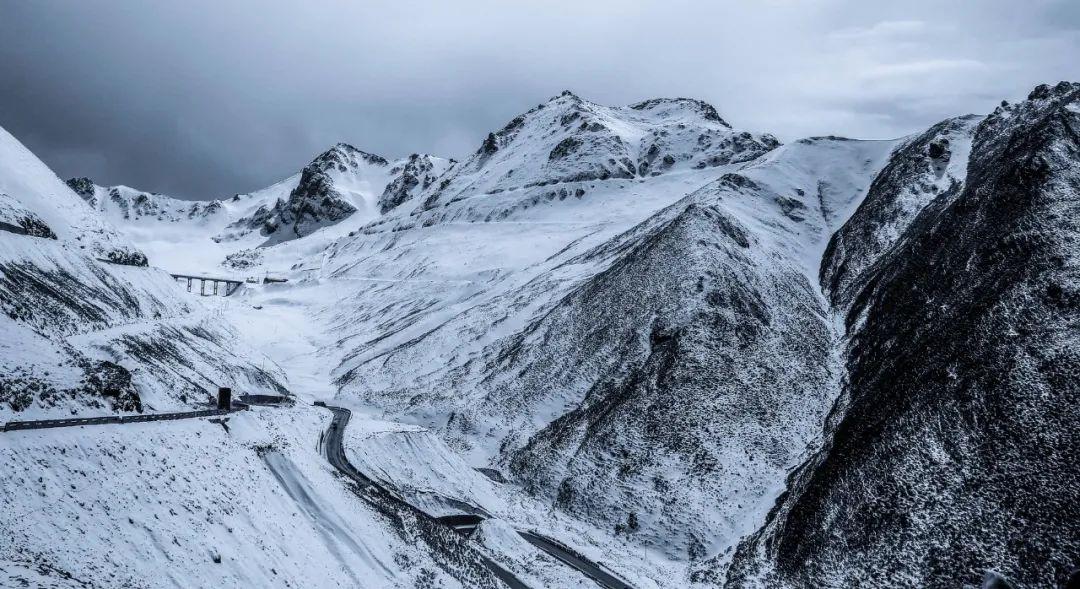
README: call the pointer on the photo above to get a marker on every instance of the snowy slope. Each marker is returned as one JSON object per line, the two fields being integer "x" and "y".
{"x": 27, "y": 186}
{"x": 192, "y": 504}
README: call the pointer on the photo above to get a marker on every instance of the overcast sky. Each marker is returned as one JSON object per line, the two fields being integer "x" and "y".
{"x": 204, "y": 98}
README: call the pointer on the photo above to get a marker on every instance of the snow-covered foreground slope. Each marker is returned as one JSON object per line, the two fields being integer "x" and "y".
{"x": 191, "y": 504}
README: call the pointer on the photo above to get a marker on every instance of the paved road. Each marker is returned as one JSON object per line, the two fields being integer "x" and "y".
{"x": 585, "y": 566}
{"x": 335, "y": 452}
{"x": 77, "y": 421}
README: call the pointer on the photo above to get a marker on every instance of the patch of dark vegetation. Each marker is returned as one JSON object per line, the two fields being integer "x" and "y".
{"x": 113, "y": 382}
{"x": 126, "y": 257}
{"x": 103, "y": 385}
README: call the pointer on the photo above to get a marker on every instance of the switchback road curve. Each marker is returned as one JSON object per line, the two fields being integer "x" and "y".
{"x": 335, "y": 453}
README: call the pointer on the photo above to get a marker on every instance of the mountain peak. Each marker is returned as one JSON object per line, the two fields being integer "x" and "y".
{"x": 569, "y": 139}
{"x": 343, "y": 156}
{"x": 664, "y": 106}
{"x": 566, "y": 96}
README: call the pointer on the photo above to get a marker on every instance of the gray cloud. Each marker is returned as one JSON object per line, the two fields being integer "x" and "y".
{"x": 205, "y": 98}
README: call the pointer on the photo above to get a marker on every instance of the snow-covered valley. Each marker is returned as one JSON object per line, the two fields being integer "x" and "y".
{"x": 663, "y": 342}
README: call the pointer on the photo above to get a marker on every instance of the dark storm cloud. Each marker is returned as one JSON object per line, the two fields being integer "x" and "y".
{"x": 203, "y": 98}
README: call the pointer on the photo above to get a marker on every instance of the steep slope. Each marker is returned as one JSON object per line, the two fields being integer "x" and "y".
{"x": 953, "y": 451}
{"x": 636, "y": 370}
{"x": 927, "y": 166}
{"x": 86, "y": 324}
{"x": 35, "y": 203}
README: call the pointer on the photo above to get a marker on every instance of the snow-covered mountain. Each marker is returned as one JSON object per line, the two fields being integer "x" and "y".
{"x": 685, "y": 350}
{"x": 197, "y": 236}
{"x": 125, "y": 204}
{"x": 338, "y": 183}
{"x": 573, "y": 371}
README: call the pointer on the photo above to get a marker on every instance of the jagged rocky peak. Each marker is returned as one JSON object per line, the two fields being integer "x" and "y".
{"x": 336, "y": 184}
{"x": 123, "y": 203}
{"x": 411, "y": 176}
{"x": 568, "y": 139}
{"x": 344, "y": 157}
{"x": 1044, "y": 101}
{"x": 85, "y": 188}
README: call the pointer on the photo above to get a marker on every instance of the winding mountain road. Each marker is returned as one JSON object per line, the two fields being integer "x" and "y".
{"x": 583, "y": 565}
{"x": 335, "y": 453}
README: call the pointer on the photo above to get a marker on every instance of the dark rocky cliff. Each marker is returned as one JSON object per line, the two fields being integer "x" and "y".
{"x": 954, "y": 448}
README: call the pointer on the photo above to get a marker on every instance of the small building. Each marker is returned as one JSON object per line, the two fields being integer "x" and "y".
{"x": 224, "y": 398}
